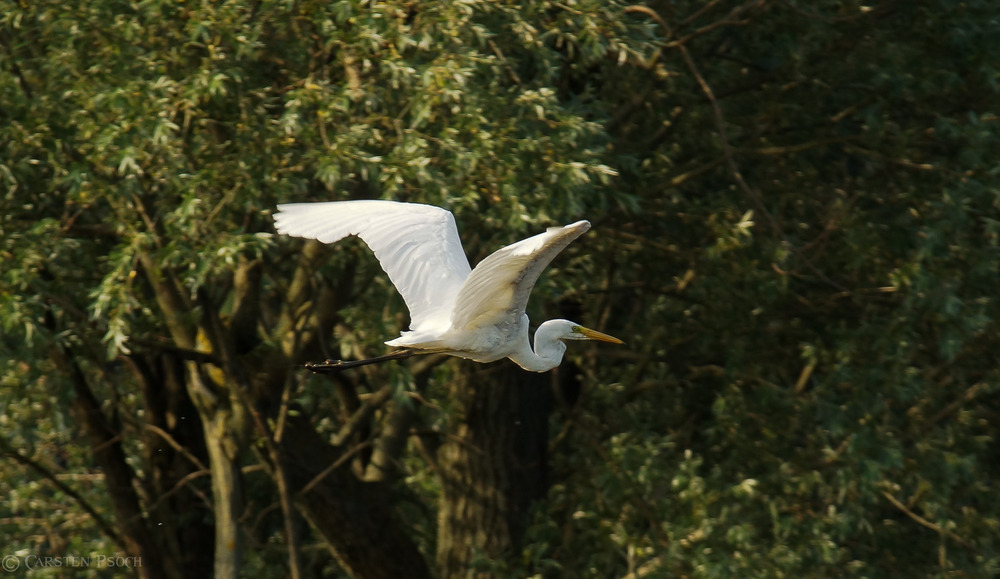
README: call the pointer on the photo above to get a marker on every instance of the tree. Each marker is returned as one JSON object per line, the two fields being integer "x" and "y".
{"x": 794, "y": 209}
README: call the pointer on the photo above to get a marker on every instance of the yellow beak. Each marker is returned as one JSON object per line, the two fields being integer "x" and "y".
{"x": 595, "y": 335}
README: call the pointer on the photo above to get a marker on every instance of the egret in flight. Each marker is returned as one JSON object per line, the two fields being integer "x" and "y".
{"x": 471, "y": 313}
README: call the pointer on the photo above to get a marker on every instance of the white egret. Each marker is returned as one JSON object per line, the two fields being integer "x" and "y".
{"x": 471, "y": 313}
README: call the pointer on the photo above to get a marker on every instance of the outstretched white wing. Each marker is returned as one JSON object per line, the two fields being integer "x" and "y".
{"x": 417, "y": 245}
{"x": 497, "y": 291}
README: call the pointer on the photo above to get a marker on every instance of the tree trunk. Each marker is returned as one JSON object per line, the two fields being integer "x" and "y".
{"x": 494, "y": 468}
{"x": 217, "y": 418}
{"x": 172, "y": 419}
{"x": 354, "y": 517}
{"x": 105, "y": 441}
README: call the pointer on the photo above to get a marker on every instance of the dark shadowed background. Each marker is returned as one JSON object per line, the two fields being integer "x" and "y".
{"x": 795, "y": 208}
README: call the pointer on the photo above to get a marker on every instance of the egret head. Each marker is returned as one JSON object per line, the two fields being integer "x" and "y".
{"x": 567, "y": 330}
{"x": 550, "y": 344}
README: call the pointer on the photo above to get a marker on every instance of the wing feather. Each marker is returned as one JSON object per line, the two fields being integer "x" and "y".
{"x": 497, "y": 290}
{"x": 417, "y": 245}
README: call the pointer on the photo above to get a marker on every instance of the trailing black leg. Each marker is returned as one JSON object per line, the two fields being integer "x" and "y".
{"x": 331, "y": 366}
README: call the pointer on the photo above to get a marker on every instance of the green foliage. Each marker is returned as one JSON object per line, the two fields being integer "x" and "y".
{"x": 806, "y": 277}
{"x": 838, "y": 355}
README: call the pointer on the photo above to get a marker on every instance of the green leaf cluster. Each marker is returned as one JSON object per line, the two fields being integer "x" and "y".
{"x": 796, "y": 210}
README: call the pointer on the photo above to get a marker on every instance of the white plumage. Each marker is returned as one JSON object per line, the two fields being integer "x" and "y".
{"x": 454, "y": 309}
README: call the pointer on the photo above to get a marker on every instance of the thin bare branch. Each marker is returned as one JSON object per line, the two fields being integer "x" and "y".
{"x": 700, "y": 12}
{"x": 925, "y": 523}
{"x": 175, "y": 445}
{"x": 336, "y": 464}
{"x": 106, "y": 528}
{"x": 510, "y": 70}
{"x": 180, "y": 484}
{"x": 954, "y": 406}
{"x": 362, "y": 415}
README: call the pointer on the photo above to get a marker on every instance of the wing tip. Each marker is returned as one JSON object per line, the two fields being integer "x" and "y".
{"x": 583, "y": 225}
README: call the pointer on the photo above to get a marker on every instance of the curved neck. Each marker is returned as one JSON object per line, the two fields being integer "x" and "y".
{"x": 548, "y": 352}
